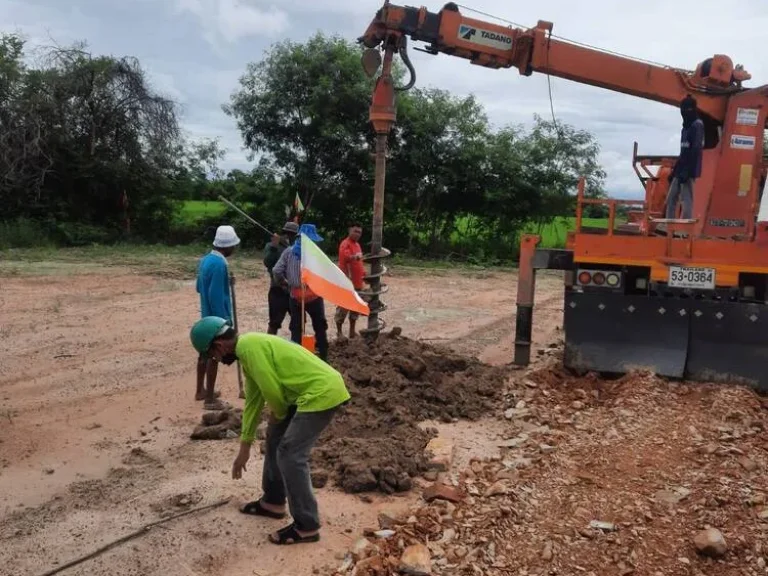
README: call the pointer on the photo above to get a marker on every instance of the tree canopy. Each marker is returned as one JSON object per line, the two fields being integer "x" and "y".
{"x": 452, "y": 180}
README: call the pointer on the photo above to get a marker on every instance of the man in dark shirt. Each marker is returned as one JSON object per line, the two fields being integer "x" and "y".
{"x": 279, "y": 294}
{"x": 688, "y": 166}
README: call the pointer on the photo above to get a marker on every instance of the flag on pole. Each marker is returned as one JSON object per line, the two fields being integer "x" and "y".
{"x": 327, "y": 280}
{"x": 297, "y": 204}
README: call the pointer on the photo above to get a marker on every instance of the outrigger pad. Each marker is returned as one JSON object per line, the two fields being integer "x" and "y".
{"x": 729, "y": 343}
{"x": 615, "y": 333}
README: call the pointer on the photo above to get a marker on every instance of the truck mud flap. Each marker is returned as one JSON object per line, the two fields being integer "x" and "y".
{"x": 616, "y": 333}
{"x": 729, "y": 343}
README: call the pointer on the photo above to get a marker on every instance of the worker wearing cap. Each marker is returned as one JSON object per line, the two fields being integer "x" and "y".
{"x": 688, "y": 166}
{"x": 303, "y": 394}
{"x": 213, "y": 286}
{"x": 279, "y": 293}
{"x": 288, "y": 270}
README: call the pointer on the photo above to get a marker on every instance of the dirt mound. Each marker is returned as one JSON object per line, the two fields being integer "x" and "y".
{"x": 375, "y": 442}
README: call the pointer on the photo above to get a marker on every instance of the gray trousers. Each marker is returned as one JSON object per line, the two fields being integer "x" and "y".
{"x": 684, "y": 192}
{"x": 286, "y": 464}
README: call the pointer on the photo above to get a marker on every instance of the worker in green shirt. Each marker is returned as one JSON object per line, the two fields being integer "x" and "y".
{"x": 303, "y": 393}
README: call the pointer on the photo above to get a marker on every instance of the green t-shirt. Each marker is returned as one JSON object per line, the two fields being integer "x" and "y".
{"x": 283, "y": 374}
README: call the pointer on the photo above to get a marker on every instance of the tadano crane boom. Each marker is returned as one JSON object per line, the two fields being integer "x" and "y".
{"x": 690, "y": 303}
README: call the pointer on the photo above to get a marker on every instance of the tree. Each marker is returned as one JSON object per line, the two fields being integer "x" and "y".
{"x": 305, "y": 106}
{"x": 304, "y": 110}
{"x": 80, "y": 134}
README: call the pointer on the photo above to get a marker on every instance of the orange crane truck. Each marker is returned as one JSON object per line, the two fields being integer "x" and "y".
{"x": 684, "y": 298}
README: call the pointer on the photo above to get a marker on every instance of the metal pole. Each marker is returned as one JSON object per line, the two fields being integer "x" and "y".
{"x": 377, "y": 232}
{"x": 240, "y": 391}
{"x": 244, "y": 215}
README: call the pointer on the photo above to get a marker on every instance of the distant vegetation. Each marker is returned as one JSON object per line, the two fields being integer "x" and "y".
{"x": 91, "y": 153}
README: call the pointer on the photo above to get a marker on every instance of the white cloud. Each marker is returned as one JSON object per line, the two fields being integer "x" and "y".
{"x": 227, "y": 21}
{"x": 196, "y": 50}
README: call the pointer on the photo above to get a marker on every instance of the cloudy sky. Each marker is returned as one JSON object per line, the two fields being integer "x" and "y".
{"x": 195, "y": 50}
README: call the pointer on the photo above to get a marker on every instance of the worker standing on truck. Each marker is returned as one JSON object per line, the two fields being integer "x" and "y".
{"x": 688, "y": 166}
{"x": 288, "y": 270}
{"x": 303, "y": 394}
{"x": 351, "y": 263}
{"x": 279, "y": 295}
{"x": 215, "y": 300}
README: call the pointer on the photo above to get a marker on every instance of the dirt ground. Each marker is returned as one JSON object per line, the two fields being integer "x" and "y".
{"x": 563, "y": 476}
{"x": 96, "y": 409}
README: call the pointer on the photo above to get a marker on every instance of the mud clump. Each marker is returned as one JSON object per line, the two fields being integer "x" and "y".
{"x": 219, "y": 424}
{"x": 374, "y": 441}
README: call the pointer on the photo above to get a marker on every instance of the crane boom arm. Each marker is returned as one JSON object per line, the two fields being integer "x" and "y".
{"x": 535, "y": 50}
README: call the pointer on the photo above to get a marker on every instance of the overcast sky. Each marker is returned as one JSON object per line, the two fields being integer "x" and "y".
{"x": 195, "y": 50}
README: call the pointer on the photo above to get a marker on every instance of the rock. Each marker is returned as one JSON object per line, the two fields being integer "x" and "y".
{"x": 48, "y": 471}
{"x": 439, "y": 491}
{"x": 430, "y": 475}
{"x": 386, "y": 520}
{"x": 360, "y": 548}
{"x": 708, "y": 449}
{"x": 747, "y": 464}
{"x": 319, "y": 478}
{"x": 604, "y": 526}
{"x": 372, "y": 565}
{"x": 577, "y": 405}
{"x": 671, "y": 497}
{"x": 448, "y": 535}
{"x": 496, "y": 489}
{"x": 711, "y": 543}
{"x": 441, "y": 451}
{"x": 416, "y": 560}
{"x": 756, "y": 500}
{"x": 411, "y": 368}
{"x": 761, "y": 563}
{"x": 509, "y": 414}
{"x": 513, "y": 442}
{"x": 384, "y": 534}
{"x": 530, "y": 384}
{"x": 763, "y": 514}
{"x": 547, "y": 553}
{"x": 546, "y": 448}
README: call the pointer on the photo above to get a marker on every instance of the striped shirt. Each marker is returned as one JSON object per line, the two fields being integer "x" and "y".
{"x": 288, "y": 268}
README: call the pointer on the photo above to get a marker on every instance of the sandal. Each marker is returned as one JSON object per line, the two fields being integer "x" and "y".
{"x": 289, "y": 535}
{"x": 216, "y": 394}
{"x": 256, "y": 509}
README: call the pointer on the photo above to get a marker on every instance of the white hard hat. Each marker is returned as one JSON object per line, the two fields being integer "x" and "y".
{"x": 225, "y": 237}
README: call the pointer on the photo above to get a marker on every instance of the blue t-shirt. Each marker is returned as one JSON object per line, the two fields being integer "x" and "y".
{"x": 213, "y": 286}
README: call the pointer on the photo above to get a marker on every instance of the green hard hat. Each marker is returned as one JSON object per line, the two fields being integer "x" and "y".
{"x": 205, "y": 330}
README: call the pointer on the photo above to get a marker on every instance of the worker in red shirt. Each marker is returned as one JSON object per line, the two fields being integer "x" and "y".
{"x": 351, "y": 263}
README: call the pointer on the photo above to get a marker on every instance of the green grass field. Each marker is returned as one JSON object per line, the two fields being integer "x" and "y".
{"x": 552, "y": 235}
{"x": 191, "y": 211}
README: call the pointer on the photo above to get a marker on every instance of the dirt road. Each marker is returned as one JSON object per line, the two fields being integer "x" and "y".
{"x": 96, "y": 408}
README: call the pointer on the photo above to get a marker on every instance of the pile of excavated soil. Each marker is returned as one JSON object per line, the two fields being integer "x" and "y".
{"x": 620, "y": 477}
{"x": 375, "y": 442}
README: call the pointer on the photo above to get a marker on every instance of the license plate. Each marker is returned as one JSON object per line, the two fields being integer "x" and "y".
{"x": 699, "y": 278}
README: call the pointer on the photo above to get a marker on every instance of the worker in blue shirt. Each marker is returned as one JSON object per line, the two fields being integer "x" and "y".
{"x": 213, "y": 285}
{"x": 688, "y": 166}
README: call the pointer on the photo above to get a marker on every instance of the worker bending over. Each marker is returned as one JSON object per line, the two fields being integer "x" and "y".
{"x": 303, "y": 393}
{"x": 288, "y": 271}
{"x": 688, "y": 166}
{"x": 213, "y": 286}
